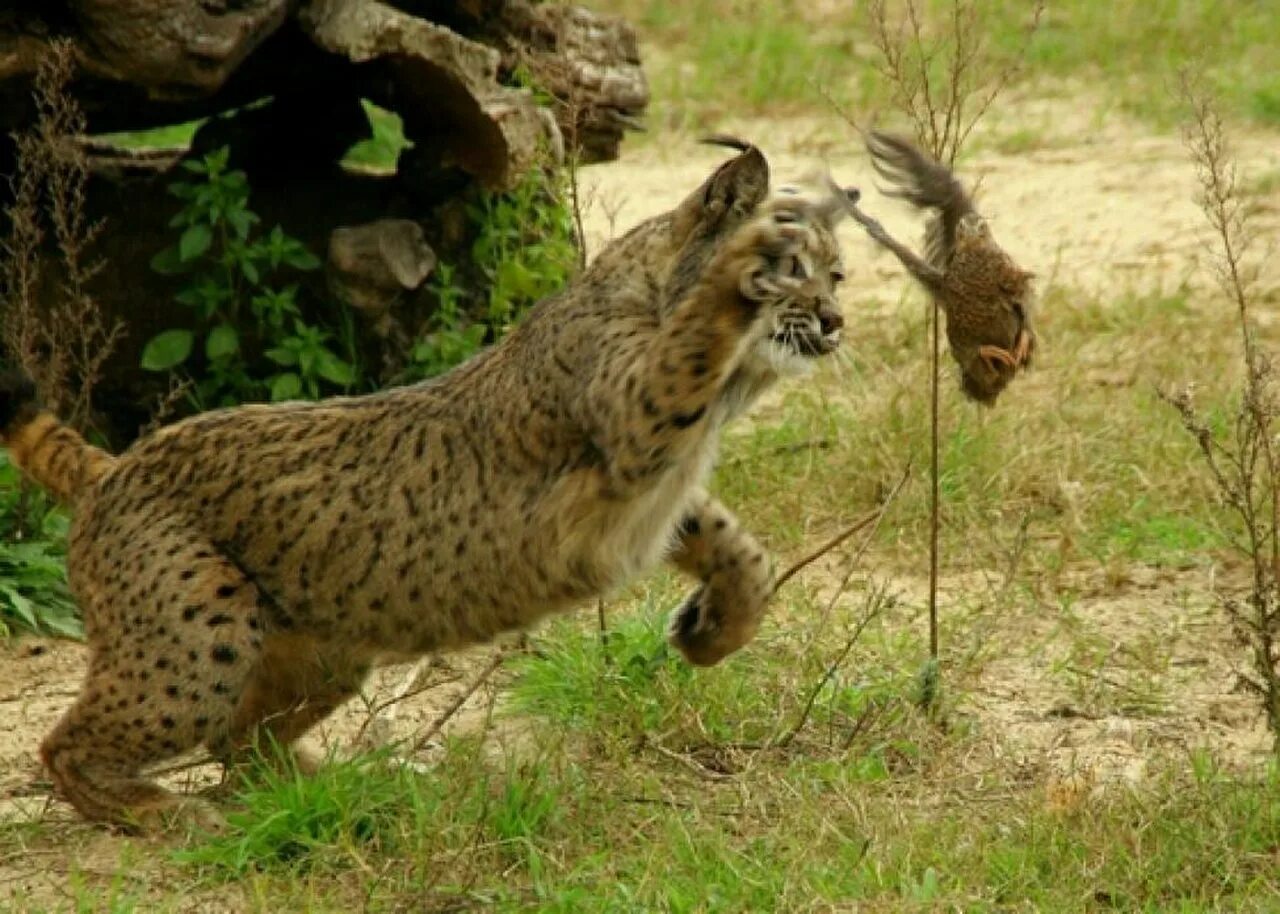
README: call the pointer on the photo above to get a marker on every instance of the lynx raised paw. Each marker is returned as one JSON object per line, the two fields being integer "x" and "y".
{"x": 777, "y": 251}
{"x": 703, "y": 635}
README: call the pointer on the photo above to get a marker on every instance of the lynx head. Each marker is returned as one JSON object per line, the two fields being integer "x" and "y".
{"x": 808, "y": 323}
{"x": 672, "y": 251}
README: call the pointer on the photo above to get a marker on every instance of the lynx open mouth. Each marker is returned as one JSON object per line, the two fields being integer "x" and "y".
{"x": 809, "y": 344}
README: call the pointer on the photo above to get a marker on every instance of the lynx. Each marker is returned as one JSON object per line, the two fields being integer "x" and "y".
{"x": 241, "y": 571}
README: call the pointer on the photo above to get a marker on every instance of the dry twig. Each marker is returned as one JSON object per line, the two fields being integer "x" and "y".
{"x": 1242, "y": 464}
{"x": 447, "y": 714}
{"x": 871, "y": 519}
{"x": 877, "y": 602}
{"x": 63, "y": 347}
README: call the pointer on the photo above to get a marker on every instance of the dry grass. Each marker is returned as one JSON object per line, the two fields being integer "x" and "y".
{"x": 1243, "y": 463}
{"x": 62, "y": 344}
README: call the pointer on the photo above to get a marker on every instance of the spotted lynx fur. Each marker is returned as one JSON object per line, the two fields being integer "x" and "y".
{"x": 242, "y": 570}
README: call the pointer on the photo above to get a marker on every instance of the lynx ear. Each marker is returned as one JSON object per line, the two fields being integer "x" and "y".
{"x": 736, "y": 187}
{"x": 739, "y": 185}
{"x": 726, "y": 199}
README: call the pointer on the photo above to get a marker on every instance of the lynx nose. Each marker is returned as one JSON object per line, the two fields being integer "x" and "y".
{"x": 829, "y": 320}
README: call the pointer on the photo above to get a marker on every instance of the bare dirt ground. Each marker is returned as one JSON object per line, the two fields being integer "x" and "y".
{"x": 1098, "y": 204}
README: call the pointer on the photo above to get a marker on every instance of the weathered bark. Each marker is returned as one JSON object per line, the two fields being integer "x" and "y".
{"x": 172, "y": 49}
{"x": 590, "y": 64}
{"x": 448, "y": 68}
{"x": 446, "y": 86}
{"x": 280, "y": 83}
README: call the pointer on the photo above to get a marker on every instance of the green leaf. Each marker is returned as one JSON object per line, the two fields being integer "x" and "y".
{"x": 167, "y": 350}
{"x": 287, "y": 386}
{"x": 20, "y": 605}
{"x": 216, "y": 161}
{"x": 194, "y": 241}
{"x": 282, "y": 356}
{"x": 168, "y": 263}
{"x": 191, "y": 296}
{"x": 241, "y": 220}
{"x": 334, "y": 369}
{"x": 63, "y": 623}
{"x": 301, "y": 259}
{"x": 249, "y": 270}
{"x": 222, "y": 342}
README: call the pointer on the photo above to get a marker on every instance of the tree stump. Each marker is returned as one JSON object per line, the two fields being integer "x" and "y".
{"x": 485, "y": 89}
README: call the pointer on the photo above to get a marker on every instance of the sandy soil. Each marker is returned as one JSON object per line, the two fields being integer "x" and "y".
{"x": 1099, "y": 207}
{"x": 1096, "y": 207}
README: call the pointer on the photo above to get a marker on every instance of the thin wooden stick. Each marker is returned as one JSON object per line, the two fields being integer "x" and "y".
{"x": 604, "y": 626}
{"x": 873, "y": 517}
{"x": 934, "y": 488}
{"x": 410, "y": 687}
{"x": 860, "y": 524}
{"x": 857, "y": 556}
{"x": 438, "y": 724}
{"x": 876, "y": 602}
{"x": 691, "y": 763}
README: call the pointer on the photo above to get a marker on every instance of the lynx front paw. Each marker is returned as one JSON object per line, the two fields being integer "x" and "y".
{"x": 776, "y": 254}
{"x": 705, "y": 636}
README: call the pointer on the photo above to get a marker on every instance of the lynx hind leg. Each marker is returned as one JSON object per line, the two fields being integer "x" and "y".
{"x": 298, "y": 683}
{"x": 737, "y": 583}
{"x": 172, "y": 647}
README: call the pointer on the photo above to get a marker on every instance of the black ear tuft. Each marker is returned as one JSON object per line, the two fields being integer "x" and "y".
{"x": 17, "y": 394}
{"x": 725, "y": 139}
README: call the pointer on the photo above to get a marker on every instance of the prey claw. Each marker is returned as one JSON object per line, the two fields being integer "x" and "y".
{"x": 1022, "y": 349}
{"x": 992, "y": 355}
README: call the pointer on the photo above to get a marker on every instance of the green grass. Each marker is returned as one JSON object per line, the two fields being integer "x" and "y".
{"x": 906, "y": 825}
{"x": 1136, "y": 49}
{"x": 1080, "y": 452}
{"x": 633, "y": 689}
{"x": 737, "y": 58}
{"x": 587, "y": 813}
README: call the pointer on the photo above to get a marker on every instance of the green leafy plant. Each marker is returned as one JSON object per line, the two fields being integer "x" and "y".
{"x": 524, "y": 250}
{"x": 33, "y": 590}
{"x": 33, "y": 577}
{"x": 525, "y": 247}
{"x": 453, "y": 340}
{"x": 255, "y": 339}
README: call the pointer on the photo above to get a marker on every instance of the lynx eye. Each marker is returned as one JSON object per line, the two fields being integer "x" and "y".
{"x": 837, "y": 276}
